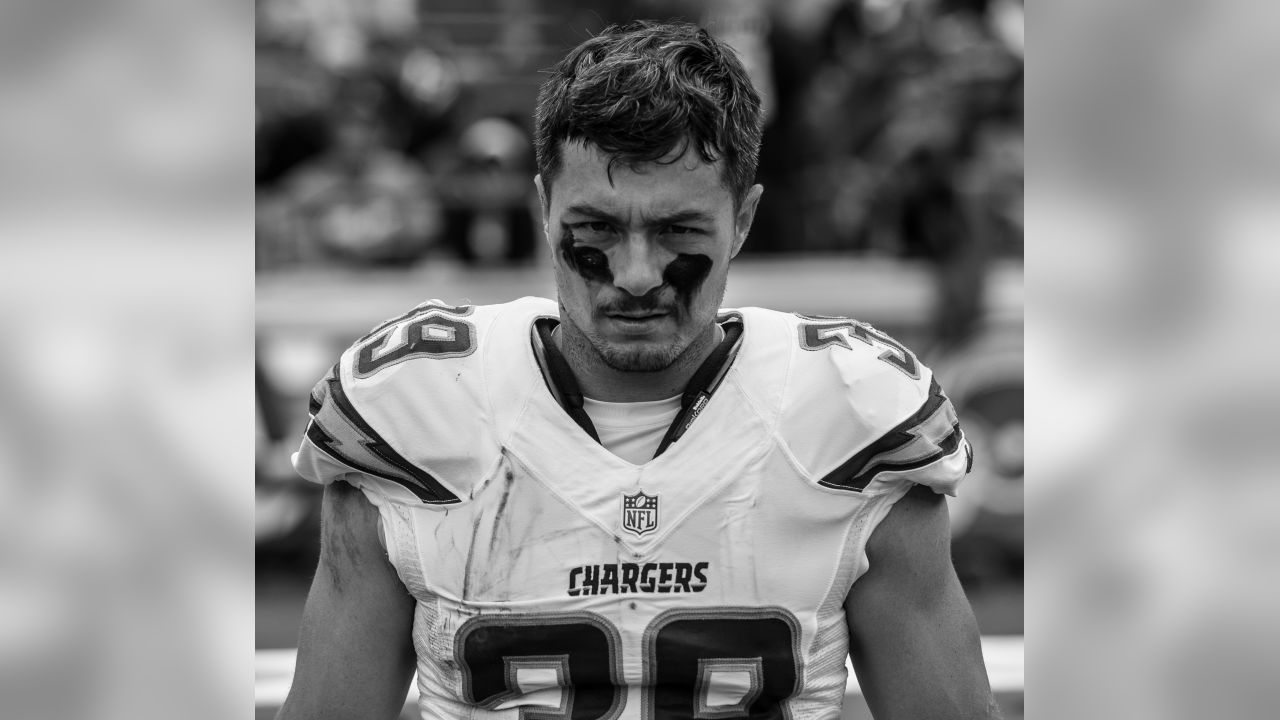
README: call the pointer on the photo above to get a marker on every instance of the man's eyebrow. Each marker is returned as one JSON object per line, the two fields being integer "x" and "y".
{"x": 592, "y": 211}
{"x": 679, "y": 216}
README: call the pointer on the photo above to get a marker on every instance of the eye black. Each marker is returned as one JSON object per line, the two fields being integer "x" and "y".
{"x": 590, "y": 257}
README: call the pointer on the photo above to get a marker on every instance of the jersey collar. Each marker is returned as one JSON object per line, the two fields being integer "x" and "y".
{"x": 564, "y": 387}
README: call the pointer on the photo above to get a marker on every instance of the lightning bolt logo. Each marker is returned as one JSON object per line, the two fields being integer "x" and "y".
{"x": 931, "y": 433}
{"x": 365, "y": 441}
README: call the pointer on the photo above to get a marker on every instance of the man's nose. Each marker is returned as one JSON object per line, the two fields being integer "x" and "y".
{"x": 637, "y": 264}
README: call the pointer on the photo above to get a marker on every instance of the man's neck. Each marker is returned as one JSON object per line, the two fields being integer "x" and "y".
{"x": 599, "y": 381}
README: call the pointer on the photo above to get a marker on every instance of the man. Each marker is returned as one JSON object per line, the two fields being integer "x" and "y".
{"x": 630, "y": 503}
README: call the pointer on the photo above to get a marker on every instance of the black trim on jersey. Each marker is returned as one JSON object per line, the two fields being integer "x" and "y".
{"x": 565, "y": 389}
{"x": 559, "y": 376}
{"x": 705, "y": 381}
{"x": 843, "y": 477}
{"x": 540, "y": 355}
{"x": 426, "y": 487}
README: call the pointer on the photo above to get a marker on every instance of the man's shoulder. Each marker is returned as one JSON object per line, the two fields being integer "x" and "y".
{"x": 852, "y": 404}
{"x": 435, "y": 331}
{"x": 808, "y": 354}
{"x": 422, "y": 400}
{"x": 437, "y": 313}
{"x": 441, "y": 359}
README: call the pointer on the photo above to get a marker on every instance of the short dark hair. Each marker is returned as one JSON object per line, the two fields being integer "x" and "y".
{"x": 644, "y": 89}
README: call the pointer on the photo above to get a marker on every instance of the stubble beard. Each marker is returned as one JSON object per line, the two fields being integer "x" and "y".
{"x": 651, "y": 357}
{"x": 633, "y": 357}
{"x": 644, "y": 357}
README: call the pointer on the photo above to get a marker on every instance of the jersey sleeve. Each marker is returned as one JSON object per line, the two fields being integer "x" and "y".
{"x": 339, "y": 444}
{"x": 862, "y": 414}
{"x": 408, "y": 410}
{"x": 927, "y": 448}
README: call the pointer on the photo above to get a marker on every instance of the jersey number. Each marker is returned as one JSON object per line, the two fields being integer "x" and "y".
{"x": 836, "y": 331}
{"x": 430, "y": 330}
{"x": 712, "y": 663}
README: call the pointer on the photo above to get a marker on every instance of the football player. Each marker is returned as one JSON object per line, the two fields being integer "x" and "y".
{"x": 627, "y": 502}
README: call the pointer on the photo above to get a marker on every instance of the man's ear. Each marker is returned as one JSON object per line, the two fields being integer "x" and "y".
{"x": 746, "y": 215}
{"x": 544, "y": 202}
{"x": 543, "y": 198}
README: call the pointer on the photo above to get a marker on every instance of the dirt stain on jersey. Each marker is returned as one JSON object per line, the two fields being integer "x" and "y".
{"x": 477, "y": 574}
{"x": 471, "y": 554}
{"x": 557, "y": 534}
{"x": 510, "y": 479}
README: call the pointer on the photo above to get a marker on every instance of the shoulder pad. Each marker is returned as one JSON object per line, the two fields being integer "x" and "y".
{"x": 861, "y": 412}
{"x": 408, "y": 407}
{"x": 340, "y": 443}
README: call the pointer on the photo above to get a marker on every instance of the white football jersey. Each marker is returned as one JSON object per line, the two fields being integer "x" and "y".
{"x": 554, "y": 579}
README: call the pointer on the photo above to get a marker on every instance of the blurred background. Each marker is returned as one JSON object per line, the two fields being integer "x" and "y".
{"x": 394, "y": 164}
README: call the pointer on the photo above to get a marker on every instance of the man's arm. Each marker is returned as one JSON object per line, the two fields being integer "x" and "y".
{"x": 355, "y": 650}
{"x": 913, "y": 638}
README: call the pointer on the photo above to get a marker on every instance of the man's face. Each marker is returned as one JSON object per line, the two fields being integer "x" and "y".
{"x": 641, "y": 263}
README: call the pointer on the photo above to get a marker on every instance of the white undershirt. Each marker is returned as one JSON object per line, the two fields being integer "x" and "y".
{"x": 634, "y": 430}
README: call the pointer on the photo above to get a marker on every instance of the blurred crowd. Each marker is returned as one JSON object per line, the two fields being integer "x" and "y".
{"x": 393, "y": 132}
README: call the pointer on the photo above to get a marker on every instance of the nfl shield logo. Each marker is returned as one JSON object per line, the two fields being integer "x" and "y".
{"x": 640, "y": 513}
